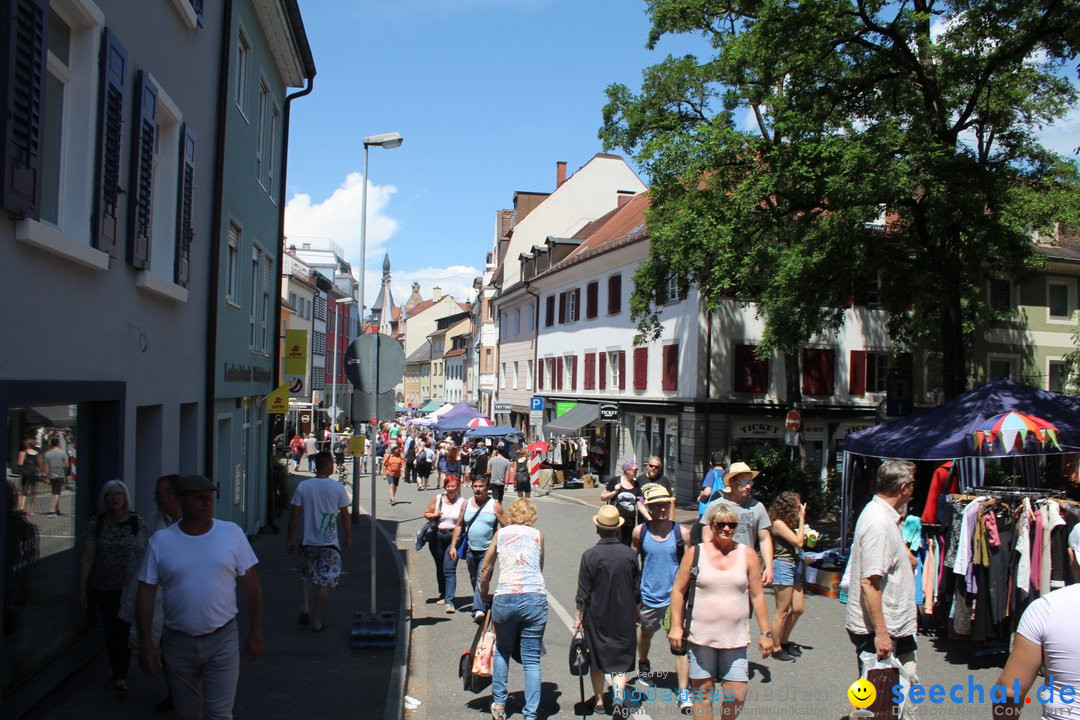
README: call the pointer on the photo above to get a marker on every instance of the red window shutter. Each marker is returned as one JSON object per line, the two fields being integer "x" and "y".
{"x": 857, "y": 376}
{"x": 558, "y": 373}
{"x": 540, "y": 374}
{"x": 590, "y": 371}
{"x": 573, "y": 372}
{"x": 592, "y": 292}
{"x": 828, "y": 371}
{"x": 602, "y": 375}
{"x": 671, "y": 367}
{"x": 641, "y": 368}
{"x": 550, "y": 319}
{"x": 810, "y": 372}
{"x": 818, "y": 371}
{"x": 577, "y": 305}
{"x": 614, "y": 295}
{"x": 562, "y": 308}
{"x": 750, "y": 374}
{"x": 622, "y": 369}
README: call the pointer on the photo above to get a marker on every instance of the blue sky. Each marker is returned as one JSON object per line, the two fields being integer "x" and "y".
{"x": 488, "y": 94}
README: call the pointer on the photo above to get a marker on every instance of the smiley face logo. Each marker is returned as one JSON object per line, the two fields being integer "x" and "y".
{"x": 861, "y": 693}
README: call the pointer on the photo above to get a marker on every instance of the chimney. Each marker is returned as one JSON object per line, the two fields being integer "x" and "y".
{"x": 560, "y": 173}
{"x": 436, "y": 293}
{"x": 624, "y": 196}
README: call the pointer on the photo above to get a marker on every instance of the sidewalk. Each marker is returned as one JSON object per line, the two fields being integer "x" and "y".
{"x": 302, "y": 674}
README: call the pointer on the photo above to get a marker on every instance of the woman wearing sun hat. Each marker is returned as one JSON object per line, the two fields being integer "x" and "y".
{"x": 608, "y": 600}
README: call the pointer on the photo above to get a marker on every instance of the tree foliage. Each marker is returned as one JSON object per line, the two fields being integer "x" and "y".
{"x": 771, "y": 159}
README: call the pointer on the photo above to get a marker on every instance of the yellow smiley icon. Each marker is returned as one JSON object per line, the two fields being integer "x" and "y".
{"x": 861, "y": 693}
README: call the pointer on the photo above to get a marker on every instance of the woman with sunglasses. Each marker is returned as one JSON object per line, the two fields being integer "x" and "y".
{"x": 728, "y": 575}
{"x": 446, "y": 508}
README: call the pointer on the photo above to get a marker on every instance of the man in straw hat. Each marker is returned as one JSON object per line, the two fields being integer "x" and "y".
{"x": 661, "y": 542}
{"x": 754, "y": 524}
{"x": 608, "y": 600}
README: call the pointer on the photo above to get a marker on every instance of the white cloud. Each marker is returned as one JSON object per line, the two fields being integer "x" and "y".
{"x": 337, "y": 217}
{"x": 455, "y": 281}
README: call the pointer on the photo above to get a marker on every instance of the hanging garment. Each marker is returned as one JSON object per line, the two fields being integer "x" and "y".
{"x": 1023, "y": 549}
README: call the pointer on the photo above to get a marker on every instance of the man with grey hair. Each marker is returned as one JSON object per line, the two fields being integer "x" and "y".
{"x": 881, "y": 614}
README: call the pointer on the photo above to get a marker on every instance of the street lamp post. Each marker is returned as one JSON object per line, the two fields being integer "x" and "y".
{"x": 389, "y": 141}
{"x": 338, "y": 304}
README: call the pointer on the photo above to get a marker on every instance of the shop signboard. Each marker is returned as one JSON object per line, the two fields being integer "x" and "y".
{"x": 609, "y": 412}
{"x": 501, "y": 408}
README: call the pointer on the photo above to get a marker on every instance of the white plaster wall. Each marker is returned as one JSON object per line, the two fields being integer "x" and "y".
{"x": 586, "y": 195}
{"x": 679, "y": 323}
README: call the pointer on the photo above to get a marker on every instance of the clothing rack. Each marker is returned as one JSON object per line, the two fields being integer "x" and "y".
{"x": 1009, "y": 491}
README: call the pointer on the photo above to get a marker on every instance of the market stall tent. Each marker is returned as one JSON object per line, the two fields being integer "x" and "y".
{"x": 948, "y": 432}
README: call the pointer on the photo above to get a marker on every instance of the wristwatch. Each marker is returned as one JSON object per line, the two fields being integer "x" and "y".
{"x": 768, "y": 634}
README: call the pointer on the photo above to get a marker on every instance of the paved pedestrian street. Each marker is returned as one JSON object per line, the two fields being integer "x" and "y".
{"x": 814, "y": 686}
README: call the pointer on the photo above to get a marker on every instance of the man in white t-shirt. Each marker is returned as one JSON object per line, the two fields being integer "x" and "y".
{"x": 198, "y": 562}
{"x": 881, "y": 615}
{"x": 1047, "y": 638}
{"x": 321, "y": 500}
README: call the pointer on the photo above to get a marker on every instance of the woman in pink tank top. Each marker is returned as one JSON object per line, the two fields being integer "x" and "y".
{"x": 715, "y": 633}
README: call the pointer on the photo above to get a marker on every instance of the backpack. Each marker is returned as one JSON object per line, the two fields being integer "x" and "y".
{"x": 680, "y": 544}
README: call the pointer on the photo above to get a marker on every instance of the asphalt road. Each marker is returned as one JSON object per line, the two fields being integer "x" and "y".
{"x": 815, "y": 686}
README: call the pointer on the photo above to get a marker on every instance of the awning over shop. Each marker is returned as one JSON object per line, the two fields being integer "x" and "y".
{"x": 574, "y": 419}
{"x": 429, "y": 406}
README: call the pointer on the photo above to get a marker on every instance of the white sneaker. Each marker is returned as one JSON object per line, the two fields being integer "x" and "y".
{"x": 686, "y": 705}
{"x": 478, "y": 616}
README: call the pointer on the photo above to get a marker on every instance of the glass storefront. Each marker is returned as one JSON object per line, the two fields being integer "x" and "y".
{"x": 41, "y": 565}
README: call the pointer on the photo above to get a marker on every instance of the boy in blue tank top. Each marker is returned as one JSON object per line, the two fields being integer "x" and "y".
{"x": 660, "y": 542}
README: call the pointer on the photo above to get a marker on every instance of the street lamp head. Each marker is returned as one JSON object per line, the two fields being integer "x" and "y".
{"x": 345, "y": 301}
{"x": 385, "y": 140}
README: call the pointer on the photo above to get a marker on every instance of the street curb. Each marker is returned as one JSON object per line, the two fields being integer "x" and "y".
{"x": 571, "y": 498}
{"x": 395, "y": 696}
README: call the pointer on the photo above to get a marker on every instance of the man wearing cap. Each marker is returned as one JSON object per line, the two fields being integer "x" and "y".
{"x": 660, "y": 542}
{"x": 608, "y": 601}
{"x": 480, "y": 458}
{"x": 321, "y": 501}
{"x": 198, "y": 562}
{"x": 754, "y": 524}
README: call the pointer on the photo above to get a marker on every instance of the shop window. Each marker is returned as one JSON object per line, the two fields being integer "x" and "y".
{"x": 41, "y": 566}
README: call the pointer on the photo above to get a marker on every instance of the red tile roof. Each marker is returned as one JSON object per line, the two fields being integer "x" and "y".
{"x": 455, "y": 353}
{"x": 623, "y": 226}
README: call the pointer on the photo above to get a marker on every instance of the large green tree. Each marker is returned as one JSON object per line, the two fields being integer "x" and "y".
{"x": 772, "y": 158}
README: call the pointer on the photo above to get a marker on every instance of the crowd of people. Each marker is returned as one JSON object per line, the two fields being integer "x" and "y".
{"x": 646, "y": 574}
{"x": 703, "y": 586}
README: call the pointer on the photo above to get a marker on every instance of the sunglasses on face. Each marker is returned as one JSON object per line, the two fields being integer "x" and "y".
{"x": 721, "y": 524}
{"x": 654, "y": 466}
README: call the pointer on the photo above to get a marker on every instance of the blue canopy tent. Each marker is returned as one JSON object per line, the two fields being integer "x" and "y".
{"x": 462, "y": 409}
{"x": 947, "y": 432}
{"x": 498, "y": 431}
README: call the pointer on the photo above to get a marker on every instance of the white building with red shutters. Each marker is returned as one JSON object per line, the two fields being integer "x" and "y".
{"x": 699, "y": 386}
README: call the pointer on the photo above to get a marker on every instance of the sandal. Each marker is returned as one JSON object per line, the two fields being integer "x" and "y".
{"x": 498, "y": 712}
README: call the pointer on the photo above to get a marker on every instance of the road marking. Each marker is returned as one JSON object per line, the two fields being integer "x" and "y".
{"x": 568, "y": 621}
{"x": 567, "y": 618}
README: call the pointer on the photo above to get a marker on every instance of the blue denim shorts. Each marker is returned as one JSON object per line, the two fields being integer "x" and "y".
{"x": 788, "y": 572}
{"x": 730, "y": 664}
